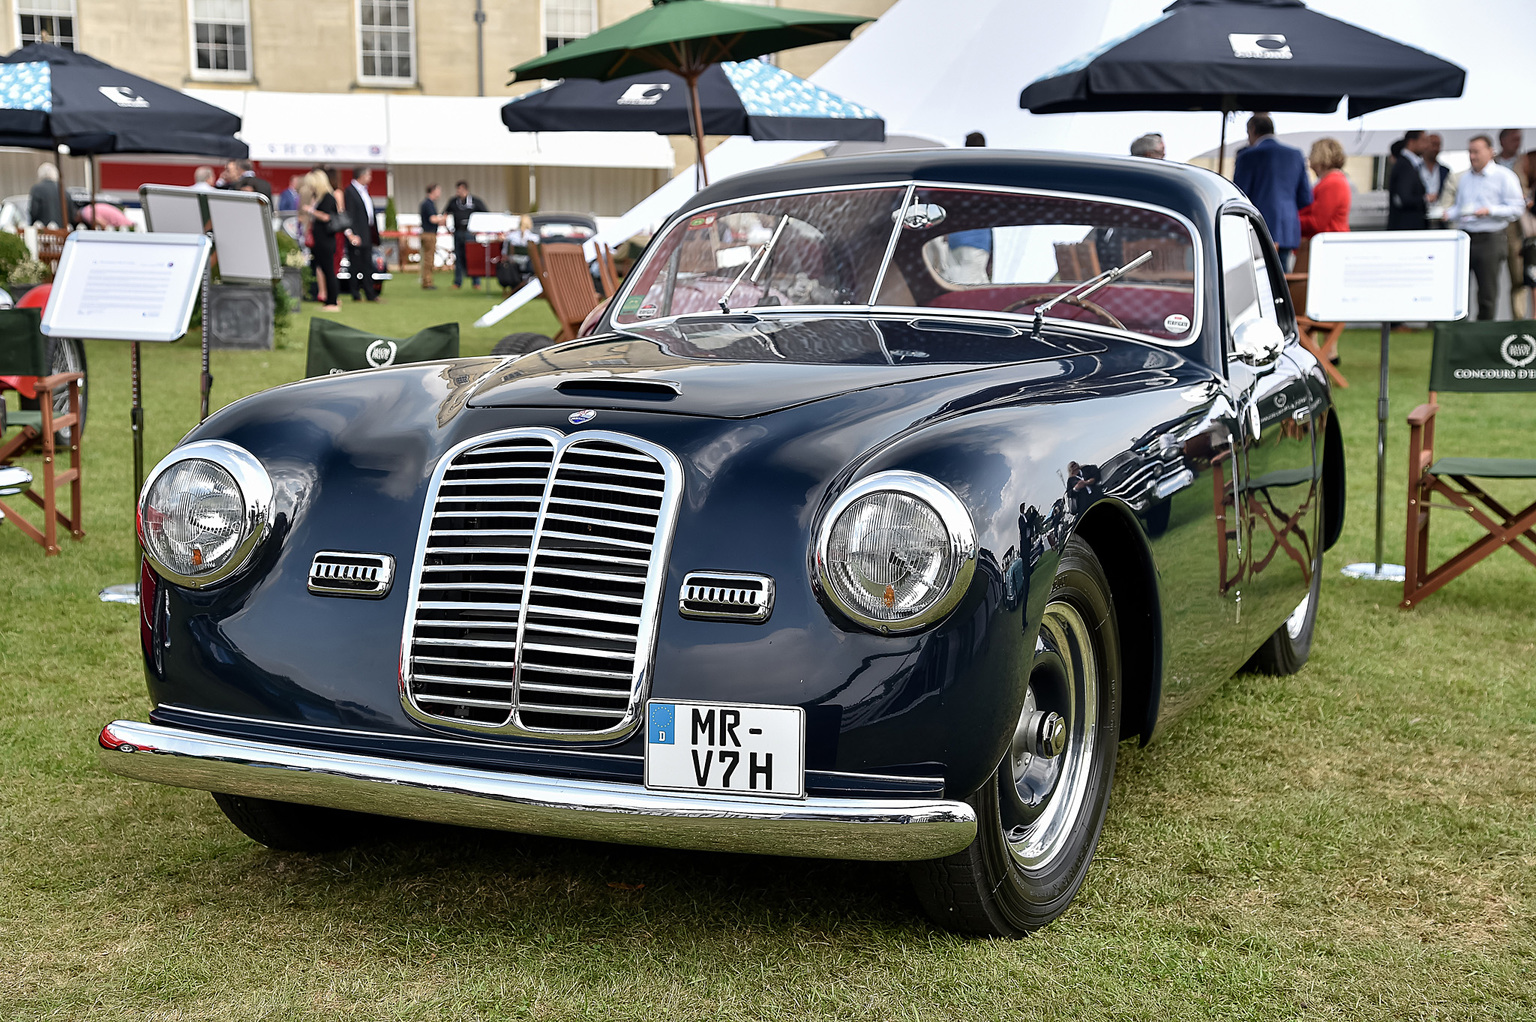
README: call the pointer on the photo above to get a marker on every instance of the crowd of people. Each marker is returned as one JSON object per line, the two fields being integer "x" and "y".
{"x": 1494, "y": 200}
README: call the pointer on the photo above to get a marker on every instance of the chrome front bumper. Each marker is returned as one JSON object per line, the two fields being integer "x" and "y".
{"x": 832, "y": 828}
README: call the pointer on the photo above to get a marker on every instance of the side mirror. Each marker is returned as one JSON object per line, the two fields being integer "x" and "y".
{"x": 1258, "y": 342}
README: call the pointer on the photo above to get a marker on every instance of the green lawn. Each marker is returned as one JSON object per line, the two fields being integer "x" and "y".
{"x": 1354, "y": 842}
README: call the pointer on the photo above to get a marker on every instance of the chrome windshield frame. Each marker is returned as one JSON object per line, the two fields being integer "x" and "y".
{"x": 911, "y": 187}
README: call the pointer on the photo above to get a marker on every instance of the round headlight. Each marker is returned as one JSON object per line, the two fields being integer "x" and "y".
{"x": 896, "y": 551}
{"x": 202, "y": 511}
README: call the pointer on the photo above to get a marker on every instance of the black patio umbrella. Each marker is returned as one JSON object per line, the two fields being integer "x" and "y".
{"x": 745, "y": 97}
{"x": 1245, "y": 55}
{"x": 51, "y": 97}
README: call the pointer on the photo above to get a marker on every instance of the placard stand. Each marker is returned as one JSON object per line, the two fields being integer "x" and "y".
{"x": 1386, "y": 277}
{"x": 118, "y": 286}
{"x": 238, "y": 224}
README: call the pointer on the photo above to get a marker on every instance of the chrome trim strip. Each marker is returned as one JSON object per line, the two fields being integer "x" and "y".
{"x": 659, "y": 553}
{"x": 370, "y": 574}
{"x": 845, "y": 828}
{"x": 750, "y": 596}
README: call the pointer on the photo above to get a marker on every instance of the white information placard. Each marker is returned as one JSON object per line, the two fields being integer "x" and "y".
{"x": 121, "y": 286}
{"x": 1388, "y": 277}
{"x": 241, "y": 223}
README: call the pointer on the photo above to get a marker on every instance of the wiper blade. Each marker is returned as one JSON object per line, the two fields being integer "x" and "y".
{"x": 1085, "y": 289}
{"x": 760, "y": 257}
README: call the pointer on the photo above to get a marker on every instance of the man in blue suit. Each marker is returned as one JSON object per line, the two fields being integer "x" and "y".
{"x": 1274, "y": 177}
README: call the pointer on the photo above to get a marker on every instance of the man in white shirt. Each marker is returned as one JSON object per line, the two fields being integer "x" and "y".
{"x": 1488, "y": 199}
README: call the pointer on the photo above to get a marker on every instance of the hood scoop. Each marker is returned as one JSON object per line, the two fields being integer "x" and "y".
{"x": 637, "y": 389}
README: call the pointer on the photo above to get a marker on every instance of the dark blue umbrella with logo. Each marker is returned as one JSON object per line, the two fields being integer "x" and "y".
{"x": 747, "y": 97}
{"x": 1245, "y": 55}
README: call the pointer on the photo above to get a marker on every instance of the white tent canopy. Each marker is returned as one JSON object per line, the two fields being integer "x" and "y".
{"x": 283, "y": 127}
{"x": 942, "y": 69}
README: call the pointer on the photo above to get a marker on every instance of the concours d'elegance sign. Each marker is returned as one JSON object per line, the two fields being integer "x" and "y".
{"x": 1484, "y": 356}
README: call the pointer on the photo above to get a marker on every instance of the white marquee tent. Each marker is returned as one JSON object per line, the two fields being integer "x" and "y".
{"x": 943, "y": 68}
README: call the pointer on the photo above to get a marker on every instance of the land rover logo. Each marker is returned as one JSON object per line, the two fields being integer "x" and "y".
{"x": 381, "y": 353}
{"x": 585, "y": 415}
{"x": 643, "y": 94}
{"x": 1519, "y": 350}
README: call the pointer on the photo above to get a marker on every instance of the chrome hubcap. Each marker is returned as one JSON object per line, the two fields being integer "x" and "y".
{"x": 1053, "y": 743}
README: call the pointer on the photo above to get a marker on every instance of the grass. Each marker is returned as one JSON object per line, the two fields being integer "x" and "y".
{"x": 1354, "y": 842}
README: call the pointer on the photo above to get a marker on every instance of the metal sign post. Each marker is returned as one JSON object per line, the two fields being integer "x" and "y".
{"x": 238, "y": 224}
{"x": 1387, "y": 277}
{"x": 126, "y": 287}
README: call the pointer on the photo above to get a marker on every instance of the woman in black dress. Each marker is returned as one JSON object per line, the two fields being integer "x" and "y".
{"x": 322, "y": 251}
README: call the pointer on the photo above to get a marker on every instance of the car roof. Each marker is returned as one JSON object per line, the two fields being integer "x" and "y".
{"x": 1195, "y": 192}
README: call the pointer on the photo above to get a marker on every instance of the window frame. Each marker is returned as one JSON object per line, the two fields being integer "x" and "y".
{"x": 215, "y": 74}
{"x": 544, "y": 35}
{"x": 73, "y": 16}
{"x": 386, "y": 81}
{"x": 1281, "y": 311}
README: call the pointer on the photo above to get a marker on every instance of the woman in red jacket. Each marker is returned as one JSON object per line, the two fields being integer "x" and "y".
{"x": 1331, "y": 195}
{"x": 1329, "y": 211}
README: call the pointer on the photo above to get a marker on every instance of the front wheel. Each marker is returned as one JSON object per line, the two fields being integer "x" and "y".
{"x": 289, "y": 827}
{"x": 1038, "y": 819}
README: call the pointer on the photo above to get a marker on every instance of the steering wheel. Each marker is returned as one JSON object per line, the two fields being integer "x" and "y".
{"x": 1082, "y": 303}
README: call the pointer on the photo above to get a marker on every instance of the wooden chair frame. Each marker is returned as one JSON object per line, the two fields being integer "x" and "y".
{"x": 1514, "y": 529}
{"x": 569, "y": 290}
{"x": 43, "y": 438}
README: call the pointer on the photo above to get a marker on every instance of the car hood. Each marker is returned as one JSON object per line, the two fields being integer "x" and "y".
{"x": 734, "y": 366}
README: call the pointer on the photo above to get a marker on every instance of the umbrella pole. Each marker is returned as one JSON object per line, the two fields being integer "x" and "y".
{"x": 1221, "y": 154}
{"x": 698, "y": 124}
{"x": 90, "y": 189}
{"x": 58, "y": 164}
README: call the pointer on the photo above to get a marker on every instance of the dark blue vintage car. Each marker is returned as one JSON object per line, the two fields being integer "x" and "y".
{"x": 889, "y": 496}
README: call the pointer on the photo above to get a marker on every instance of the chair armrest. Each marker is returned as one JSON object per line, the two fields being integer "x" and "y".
{"x": 1422, "y": 414}
{"x": 58, "y": 381}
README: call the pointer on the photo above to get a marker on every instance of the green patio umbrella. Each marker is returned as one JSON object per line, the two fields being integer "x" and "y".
{"x": 686, "y": 37}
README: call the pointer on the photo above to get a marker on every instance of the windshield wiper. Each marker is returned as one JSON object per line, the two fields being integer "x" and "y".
{"x": 761, "y": 258}
{"x": 1085, "y": 289}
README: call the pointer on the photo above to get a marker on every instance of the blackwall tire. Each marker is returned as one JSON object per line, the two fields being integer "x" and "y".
{"x": 289, "y": 827}
{"x": 1040, "y": 816}
{"x": 1287, "y": 650}
{"x": 521, "y": 344}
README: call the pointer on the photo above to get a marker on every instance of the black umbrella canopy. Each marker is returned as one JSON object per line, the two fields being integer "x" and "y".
{"x": 95, "y": 108}
{"x": 1245, "y": 55}
{"x": 745, "y": 98}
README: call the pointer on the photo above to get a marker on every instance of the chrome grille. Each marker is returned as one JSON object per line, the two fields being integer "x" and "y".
{"x": 537, "y": 582}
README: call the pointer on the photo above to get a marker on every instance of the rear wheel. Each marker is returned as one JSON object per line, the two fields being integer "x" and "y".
{"x": 521, "y": 344}
{"x": 65, "y": 355}
{"x": 289, "y": 827}
{"x": 1039, "y": 818}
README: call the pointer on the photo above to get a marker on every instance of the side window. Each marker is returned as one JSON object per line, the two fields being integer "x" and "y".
{"x": 1247, "y": 281}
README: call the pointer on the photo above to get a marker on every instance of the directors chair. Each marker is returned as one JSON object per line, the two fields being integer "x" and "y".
{"x": 24, "y": 352}
{"x": 1479, "y": 357}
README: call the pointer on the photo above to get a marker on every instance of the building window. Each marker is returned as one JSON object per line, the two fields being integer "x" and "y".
{"x": 46, "y": 21}
{"x": 221, "y": 39}
{"x": 387, "y": 41}
{"x": 568, "y": 20}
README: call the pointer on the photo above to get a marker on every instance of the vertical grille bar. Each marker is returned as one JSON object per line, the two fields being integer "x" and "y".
{"x": 537, "y": 583}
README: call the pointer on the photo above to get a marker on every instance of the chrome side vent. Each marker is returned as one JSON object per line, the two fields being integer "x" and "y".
{"x": 343, "y": 573}
{"x": 726, "y": 596}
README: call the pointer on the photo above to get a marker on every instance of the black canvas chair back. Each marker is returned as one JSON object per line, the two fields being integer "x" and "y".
{"x": 23, "y": 348}
{"x": 337, "y": 348}
{"x": 1482, "y": 357}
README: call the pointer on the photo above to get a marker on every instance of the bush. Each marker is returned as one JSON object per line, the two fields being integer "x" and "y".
{"x": 13, "y": 251}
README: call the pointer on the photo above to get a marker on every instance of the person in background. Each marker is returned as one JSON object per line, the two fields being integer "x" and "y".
{"x": 360, "y": 236}
{"x": 1329, "y": 212}
{"x": 320, "y": 207}
{"x": 460, "y": 208}
{"x": 1488, "y": 199}
{"x": 245, "y": 179}
{"x": 1512, "y": 159}
{"x": 43, "y": 199}
{"x": 1406, "y": 206}
{"x": 203, "y": 179}
{"x": 975, "y": 140}
{"x": 1150, "y": 145}
{"x": 1510, "y": 140}
{"x": 431, "y": 220}
{"x": 1274, "y": 177}
{"x": 1435, "y": 172}
{"x": 288, "y": 198}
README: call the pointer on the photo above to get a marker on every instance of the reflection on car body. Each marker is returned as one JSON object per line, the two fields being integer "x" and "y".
{"x": 814, "y": 547}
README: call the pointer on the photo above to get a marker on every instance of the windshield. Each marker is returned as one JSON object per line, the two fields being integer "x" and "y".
{"x": 828, "y": 252}
{"x": 956, "y": 248}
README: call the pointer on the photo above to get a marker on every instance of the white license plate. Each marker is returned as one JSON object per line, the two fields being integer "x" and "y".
{"x": 736, "y": 748}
